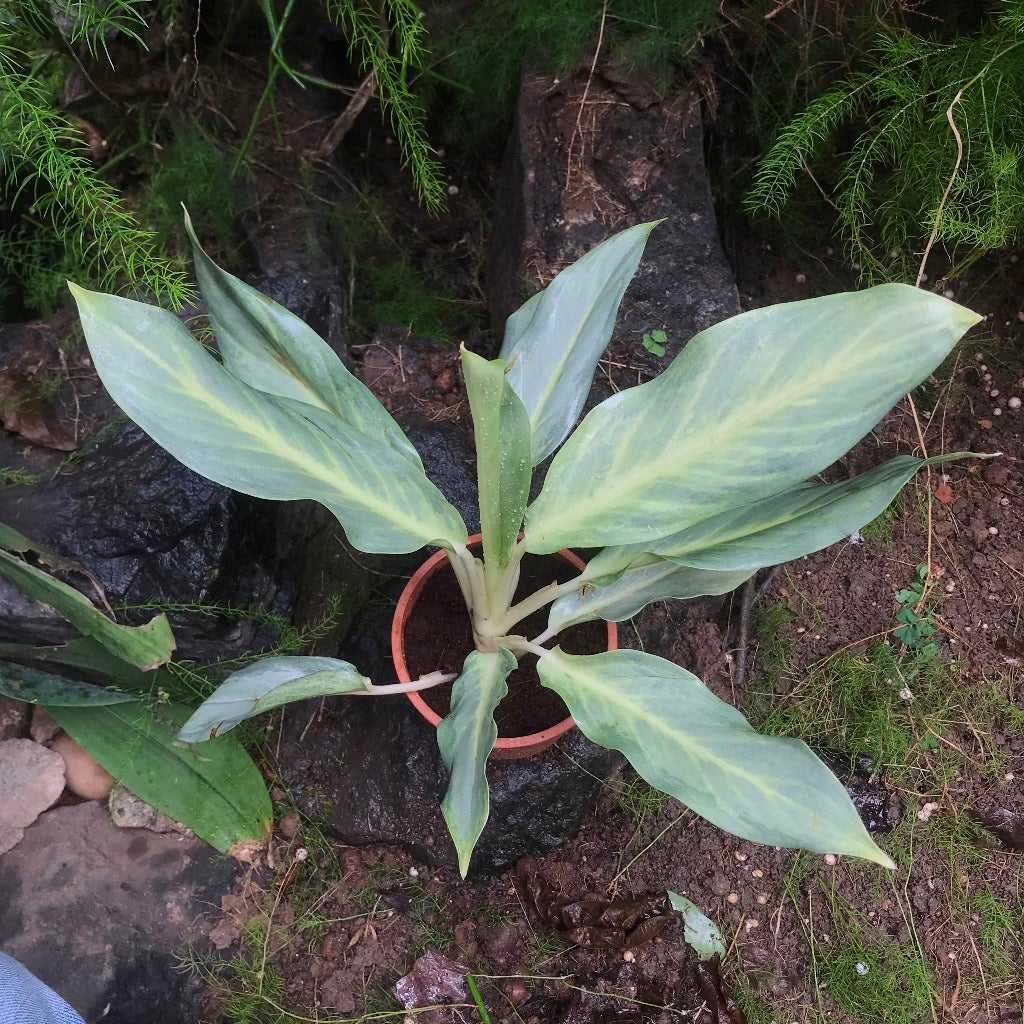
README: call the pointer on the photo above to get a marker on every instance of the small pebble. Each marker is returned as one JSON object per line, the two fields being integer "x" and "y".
{"x": 757, "y": 873}
{"x": 830, "y": 858}
{"x": 861, "y": 968}
{"x": 453, "y": 190}
{"x": 997, "y": 412}
{"x": 993, "y": 531}
{"x": 948, "y": 293}
{"x": 801, "y": 279}
{"x": 1004, "y": 502}
{"x": 1008, "y": 777}
{"x": 751, "y": 924}
{"x": 1014, "y": 402}
{"x": 950, "y": 587}
{"x": 629, "y": 956}
{"x": 994, "y": 393}
{"x": 762, "y": 899}
{"x": 733, "y": 897}
{"x": 741, "y": 857}
{"x": 414, "y": 872}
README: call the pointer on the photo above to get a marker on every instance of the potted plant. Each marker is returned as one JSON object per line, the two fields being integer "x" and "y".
{"x": 687, "y": 484}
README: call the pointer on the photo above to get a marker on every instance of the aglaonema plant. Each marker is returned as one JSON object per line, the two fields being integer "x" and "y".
{"x": 688, "y": 484}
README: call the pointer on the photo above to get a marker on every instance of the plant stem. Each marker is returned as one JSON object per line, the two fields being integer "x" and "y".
{"x": 423, "y": 683}
{"x": 538, "y": 600}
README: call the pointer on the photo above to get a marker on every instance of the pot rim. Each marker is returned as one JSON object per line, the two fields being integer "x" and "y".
{"x": 505, "y": 746}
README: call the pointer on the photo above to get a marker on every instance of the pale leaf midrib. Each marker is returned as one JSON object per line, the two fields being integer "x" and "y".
{"x": 246, "y": 425}
{"x": 643, "y": 473}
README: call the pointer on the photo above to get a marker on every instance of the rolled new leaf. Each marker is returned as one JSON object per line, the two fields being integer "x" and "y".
{"x": 501, "y": 429}
{"x": 553, "y": 342}
{"x": 686, "y": 742}
{"x": 268, "y": 684}
{"x": 271, "y": 349}
{"x": 465, "y": 738}
{"x": 215, "y": 789}
{"x": 145, "y": 647}
{"x": 255, "y": 442}
{"x": 749, "y": 408}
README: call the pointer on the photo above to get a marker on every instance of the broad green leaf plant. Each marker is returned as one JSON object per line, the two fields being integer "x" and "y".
{"x": 215, "y": 790}
{"x": 688, "y": 484}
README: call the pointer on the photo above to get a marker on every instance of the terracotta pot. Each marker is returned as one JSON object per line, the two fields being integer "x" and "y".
{"x": 506, "y": 747}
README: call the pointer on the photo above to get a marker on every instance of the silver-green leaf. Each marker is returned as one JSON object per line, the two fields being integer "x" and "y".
{"x": 465, "y": 738}
{"x": 750, "y": 407}
{"x": 553, "y": 342}
{"x": 268, "y": 684}
{"x": 699, "y": 931}
{"x": 797, "y": 522}
{"x": 271, "y": 349}
{"x": 501, "y": 429}
{"x": 686, "y": 742}
{"x": 258, "y": 443}
{"x": 623, "y": 595}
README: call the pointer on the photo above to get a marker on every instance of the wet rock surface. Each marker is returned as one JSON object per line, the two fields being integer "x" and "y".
{"x": 150, "y": 530}
{"x": 100, "y": 915}
{"x": 371, "y": 768}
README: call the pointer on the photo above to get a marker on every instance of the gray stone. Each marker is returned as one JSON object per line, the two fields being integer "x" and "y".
{"x": 101, "y": 914}
{"x": 31, "y": 779}
{"x": 13, "y": 718}
{"x": 127, "y": 810}
{"x": 591, "y": 156}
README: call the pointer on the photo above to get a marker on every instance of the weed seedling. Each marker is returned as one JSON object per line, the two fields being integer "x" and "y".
{"x": 915, "y": 620}
{"x": 654, "y": 342}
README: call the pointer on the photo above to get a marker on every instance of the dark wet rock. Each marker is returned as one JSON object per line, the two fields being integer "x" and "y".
{"x": 879, "y": 807}
{"x": 449, "y": 463}
{"x": 371, "y": 770}
{"x": 149, "y": 530}
{"x": 571, "y": 179}
{"x": 101, "y": 914}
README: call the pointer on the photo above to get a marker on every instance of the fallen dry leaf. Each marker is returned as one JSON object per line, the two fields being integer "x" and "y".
{"x": 25, "y": 413}
{"x": 944, "y": 493}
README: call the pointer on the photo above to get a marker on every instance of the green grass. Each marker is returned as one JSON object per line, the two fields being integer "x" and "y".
{"x": 1001, "y": 935}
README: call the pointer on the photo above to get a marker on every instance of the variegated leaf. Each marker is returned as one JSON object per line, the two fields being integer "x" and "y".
{"x": 749, "y": 408}
{"x": 268, "y": 684}
{"x": 256, "y": 442}
{"x": 465, "y": 738}
{"x": 501, "y": 429}
{"x": 622, "y": 596}
{"x": 797, "y": 522}
{"x": 686, "y": 742}
{"x": 553, "y": 342}
{"x": 269, "y": 348}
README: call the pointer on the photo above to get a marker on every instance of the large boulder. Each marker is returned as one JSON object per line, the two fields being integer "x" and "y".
{"x": 102, "y": 915}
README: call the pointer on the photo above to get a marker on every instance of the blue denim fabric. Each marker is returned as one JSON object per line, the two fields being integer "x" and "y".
{"x": 24, "y": 999}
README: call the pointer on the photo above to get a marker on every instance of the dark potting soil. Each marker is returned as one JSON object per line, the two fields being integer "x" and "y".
{"x": 439, "y": 635}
